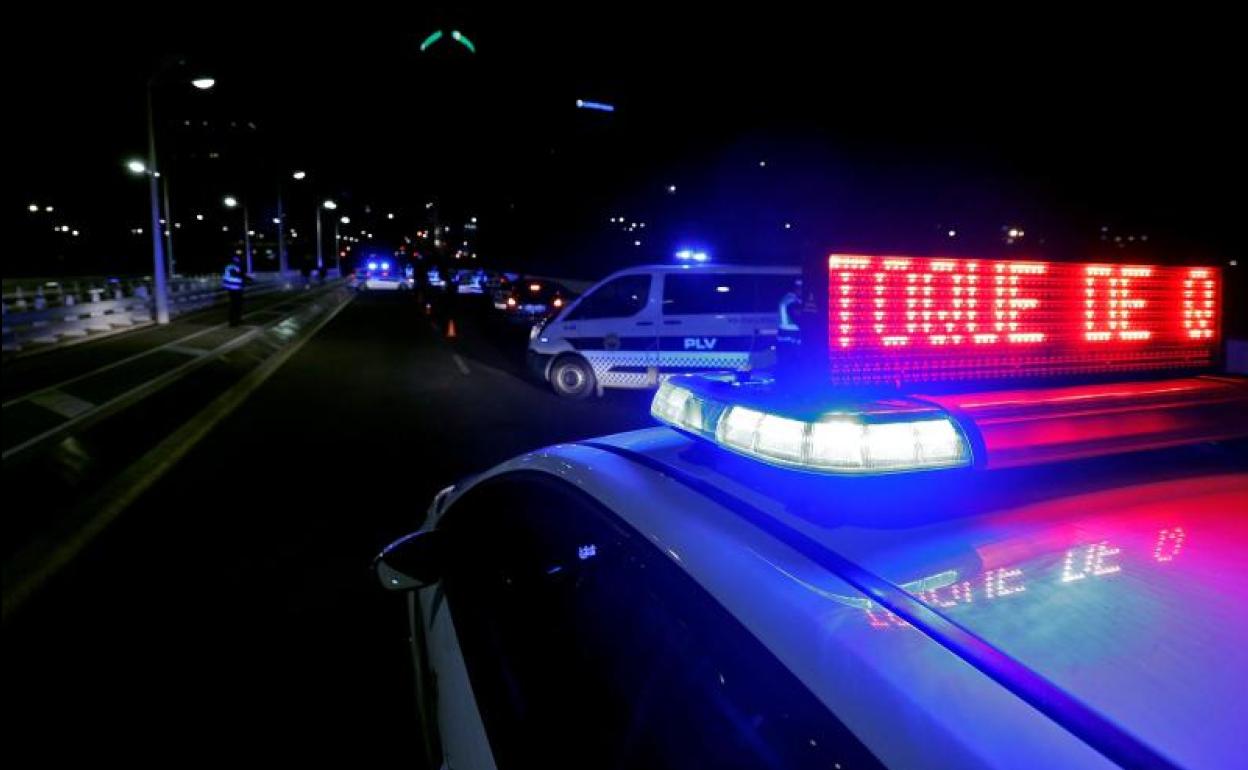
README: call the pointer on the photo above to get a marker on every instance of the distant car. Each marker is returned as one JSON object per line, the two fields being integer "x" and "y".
{"x": 434, "y": 278}
{"x": 532, "y": 299}
{"x": 381, "y": 276}
{"x": 470, "y": 282}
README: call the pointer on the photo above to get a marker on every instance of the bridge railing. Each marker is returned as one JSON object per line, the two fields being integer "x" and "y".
{"x": 42, "y": 312}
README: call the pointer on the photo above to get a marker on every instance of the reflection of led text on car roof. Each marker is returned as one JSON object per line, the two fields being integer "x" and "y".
{"x": 1079, "y": 563}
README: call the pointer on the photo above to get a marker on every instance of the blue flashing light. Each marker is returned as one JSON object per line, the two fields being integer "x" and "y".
{"x": 835, "y": 436}
{"x": 372, "y": 265}
{"x": 385, "y": 265}
{"x": 690, "y": 255}
{"x": 584, "y": 104}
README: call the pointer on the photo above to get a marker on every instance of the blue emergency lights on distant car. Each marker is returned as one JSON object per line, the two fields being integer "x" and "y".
{"x": 872, "y": 436}
{"x": 372, "y": 265}
{"x": 689, "y": 255}
{"x": 585, "y": 104}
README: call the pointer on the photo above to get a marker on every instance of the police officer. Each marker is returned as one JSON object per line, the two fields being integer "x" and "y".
{"x": 789, "y": 334}
{"x": 232, "y": 282}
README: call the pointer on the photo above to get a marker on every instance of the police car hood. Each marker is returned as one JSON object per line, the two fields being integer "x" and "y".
{"x": 1120, "y": 580}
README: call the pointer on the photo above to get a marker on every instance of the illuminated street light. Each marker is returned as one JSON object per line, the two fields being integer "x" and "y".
{"x": 299, "y": 175}
{"x": 199, "y": 217}
{"x": 47, "y": 209}
{"x": 345, "y": 220}
{"x": 203, "y": 84}
{"x": 136, "y": 166}
{"x": 33, "y": 208}
{"x": 671, "y": 189}
{"x": 330, "y": 205}
{"x": 230, "y": 201}
{"x": 585, "y": 104}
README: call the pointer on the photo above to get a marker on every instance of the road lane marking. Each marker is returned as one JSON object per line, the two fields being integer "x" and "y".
{"x": 142, "y": 354}
{"x": 463, "y": 367}
{"x": 32, "y": 569}
{"x": 187, "y": 350}
{"x": 64, "y": 404}
{"x": 138, "y": 392}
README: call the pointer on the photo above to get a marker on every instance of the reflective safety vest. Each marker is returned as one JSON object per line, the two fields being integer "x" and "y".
{"x": 787, "y": 303}
{"x": 232, "y": 278}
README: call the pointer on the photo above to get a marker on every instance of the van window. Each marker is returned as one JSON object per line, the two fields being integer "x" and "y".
{"x": 618, "y": 298}
{"x": 724, "y": 293}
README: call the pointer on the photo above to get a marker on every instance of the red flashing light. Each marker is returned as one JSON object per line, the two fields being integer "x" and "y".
{"x": 895, "y": 319}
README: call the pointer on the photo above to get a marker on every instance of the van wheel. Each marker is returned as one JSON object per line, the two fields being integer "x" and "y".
{"x": 572, "y": 377}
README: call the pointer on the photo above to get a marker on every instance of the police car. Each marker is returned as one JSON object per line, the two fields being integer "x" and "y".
{"x": 382, "y": 275}
{"x": 644, "y": 323}
{"x": 1024, "y": 550}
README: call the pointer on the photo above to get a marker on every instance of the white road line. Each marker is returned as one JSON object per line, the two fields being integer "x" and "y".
{"x": 187, "y": 350}
{"x": 35, "y": 564}
{"x": 128, "y": 359}
{"x": 463, "y": 367}
{"x": 136, "y": 393}
{"x": 64, "y": 404}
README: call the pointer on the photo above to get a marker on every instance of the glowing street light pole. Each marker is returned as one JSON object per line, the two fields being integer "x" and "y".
{"x": 160, "y": 284}
{"x": 164, "y": 188}
{"x": 160, "y": 281}
{"x": 320, "y": 251}
{"x": 232, "y": 202}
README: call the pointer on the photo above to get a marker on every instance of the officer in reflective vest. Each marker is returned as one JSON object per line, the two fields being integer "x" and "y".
{"x": 788, "y": 333}
{"x": 232, "y": 282}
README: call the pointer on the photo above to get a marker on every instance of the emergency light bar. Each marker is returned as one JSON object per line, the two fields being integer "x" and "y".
{"x": 866, "y": 437}
{"x": 840, "y": 431}
{"x": 892, "y": 320}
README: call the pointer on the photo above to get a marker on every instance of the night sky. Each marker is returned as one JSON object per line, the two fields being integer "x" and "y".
{"x": 879, "y": 133}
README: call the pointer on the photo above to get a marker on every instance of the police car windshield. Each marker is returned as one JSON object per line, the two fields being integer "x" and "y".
{"x": 1121, "y": 580}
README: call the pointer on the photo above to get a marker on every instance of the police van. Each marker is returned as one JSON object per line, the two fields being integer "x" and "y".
{"x": 1000, "y": 524}
{"x": 641, "y": 324}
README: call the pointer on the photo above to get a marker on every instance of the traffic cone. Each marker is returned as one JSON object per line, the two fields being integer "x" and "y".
{"x": 450, "y": 329}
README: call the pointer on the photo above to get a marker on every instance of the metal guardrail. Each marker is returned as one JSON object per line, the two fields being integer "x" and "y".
{"x": 70, "y": 313}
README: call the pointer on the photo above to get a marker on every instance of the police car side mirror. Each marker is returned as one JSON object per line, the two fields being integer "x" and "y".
{"x": 412, "y": 561}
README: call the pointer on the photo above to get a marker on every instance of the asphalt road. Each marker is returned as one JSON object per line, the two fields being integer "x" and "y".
{"x": 231, "y": 614}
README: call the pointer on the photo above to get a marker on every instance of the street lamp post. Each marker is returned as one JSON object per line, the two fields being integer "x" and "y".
{"x": 338, "y": 245}
{"x": 338, "y": 241}
{"x": 160, "y": 282}
{"x": 232, "y": 202}
{"x": 329, "y": 205}
{"x": 164, "y": 188}
{"x": 247, "y": 237}
{"x": 160, "y": 285}
{"x": 281, "y": 235}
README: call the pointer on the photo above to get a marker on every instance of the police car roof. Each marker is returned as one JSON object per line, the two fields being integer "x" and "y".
{"x": 1069, "y": 612}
